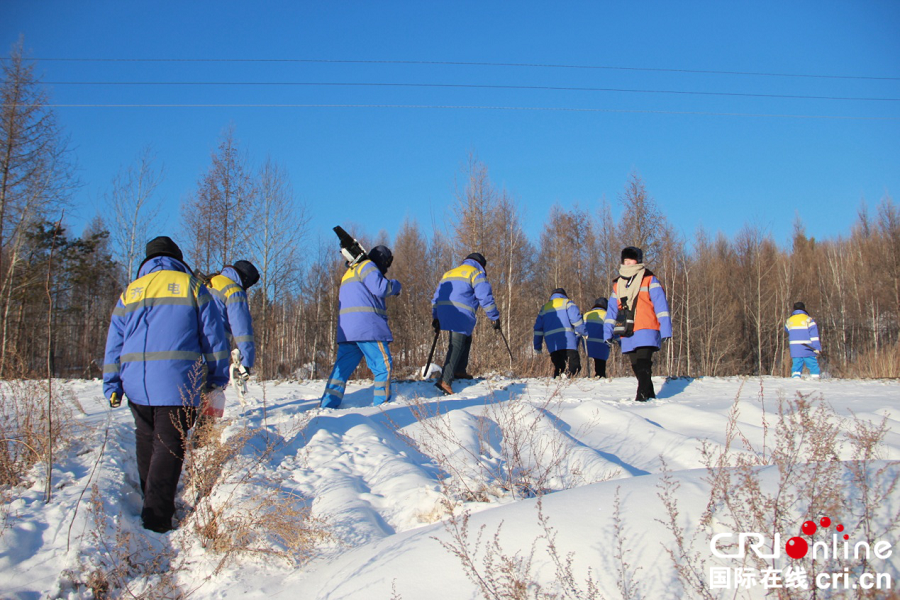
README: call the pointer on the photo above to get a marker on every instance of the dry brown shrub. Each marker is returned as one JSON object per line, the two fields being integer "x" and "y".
{"x": 25, "y": 435}
{"x": 125, "y": 563}
{"x": 812, "y": 481}
{"x": 499, "y": 575}
{"x": 881, "y": 363}
{"x": 231, "y": 506}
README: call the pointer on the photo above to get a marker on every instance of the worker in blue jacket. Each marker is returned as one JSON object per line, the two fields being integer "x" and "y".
{"x": 229, "y": 290}
{"x": 363, "y": 329}
{"x": 166, "y": 347}
{"x": 597, "y": 347}
{"x": 560, "y": 326}
{"x": 803, "y": 335}
{"x": 458, "y": 295}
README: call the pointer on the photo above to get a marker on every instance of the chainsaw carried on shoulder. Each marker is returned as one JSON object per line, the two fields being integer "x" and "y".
{"x": 351, "y": 249}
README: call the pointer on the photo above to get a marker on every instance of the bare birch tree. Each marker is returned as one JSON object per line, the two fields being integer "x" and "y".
{"x": 134, "y": 211}
{"x": 279, "y": 227}
{"x": 217, "y": 219}
{"x": 36, "y": 174}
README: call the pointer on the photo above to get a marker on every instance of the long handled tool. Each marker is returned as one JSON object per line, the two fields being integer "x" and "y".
{"x": 500, "y": 331}
{"x": 587, "y": 357}
{"x": 437, "y": 334}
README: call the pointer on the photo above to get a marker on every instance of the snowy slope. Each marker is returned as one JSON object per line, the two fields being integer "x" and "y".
{"x": 382, "y": 478}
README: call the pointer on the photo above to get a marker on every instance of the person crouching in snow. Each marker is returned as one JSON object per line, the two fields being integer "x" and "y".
{"x": 363, "y": 327}
{"x": 560, "y": 326}
{"x": 639, "y": 304}
{"x": 597, "y": 347}
{"x": 803, "y": 334}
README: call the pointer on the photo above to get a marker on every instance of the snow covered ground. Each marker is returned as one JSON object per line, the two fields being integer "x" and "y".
{"x": 387, "y": 480}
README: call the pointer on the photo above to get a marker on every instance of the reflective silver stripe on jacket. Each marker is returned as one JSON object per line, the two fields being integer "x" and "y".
{"x": 121, "y": 311}
{"x": 552, "y": 331}
{"x": 362, "y": 309}
{"x": 167, "y": 355}
{"x": 456, "y": 304}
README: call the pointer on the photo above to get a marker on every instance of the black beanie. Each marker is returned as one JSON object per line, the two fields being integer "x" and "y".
{"x": 633, "y": 252}
{"x": 163, "y": 246}
{"x": 479, "y": 258}
{"x": 382, "y": 257}
{"x": 247, "y": 272}
{"x": 559, "y": 291}
{"x": 799, "y": 306}
{"x": 601, "y": 302}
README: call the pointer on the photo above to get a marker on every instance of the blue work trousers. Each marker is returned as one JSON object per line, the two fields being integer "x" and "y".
{"x": 378, "y": 358}
{"x": 811, "y": 362}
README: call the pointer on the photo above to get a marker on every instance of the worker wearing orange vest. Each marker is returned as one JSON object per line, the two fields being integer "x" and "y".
{"x": 638, "y": 315}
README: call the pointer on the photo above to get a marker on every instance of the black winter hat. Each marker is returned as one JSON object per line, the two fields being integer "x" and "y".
{"x": 601, "y": 302}
{"x": 162, "y": 246}
{"x": 559, "y": 291}
{"x": 479, "y": 258}
{"x": 799, "y": 306}
{"x": 382, "y": 257}
{"x": 247, "y": 272}
{"x": 633, "y": 252}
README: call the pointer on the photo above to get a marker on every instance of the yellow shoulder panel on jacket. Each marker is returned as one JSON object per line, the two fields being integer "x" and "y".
{"x": 159, "y": 284}
{"x": 798, "y": 321}
{"x": 597, "y": 314}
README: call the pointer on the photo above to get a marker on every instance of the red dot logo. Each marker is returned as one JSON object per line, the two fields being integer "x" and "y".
{"x": 825, "y": 522}
{"x": 840, "y": 527}
{"x": 808, "y": 528}
{"x": 796, "y": 547}
{"x": 846, "y": 537}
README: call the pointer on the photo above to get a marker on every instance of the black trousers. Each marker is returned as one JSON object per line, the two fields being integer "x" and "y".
{"x": 642, "y": 365}
{"x": 160, "y": 433}
{"x": 599, "y": 367}
{"x": 567, "y": 361}
{"x": 457, "y": 359}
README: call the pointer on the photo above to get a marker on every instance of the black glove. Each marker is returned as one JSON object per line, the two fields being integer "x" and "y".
{"x": 436, "y": 325}
{"x": 115, "y": 401}
{"x": 496, "y": 324}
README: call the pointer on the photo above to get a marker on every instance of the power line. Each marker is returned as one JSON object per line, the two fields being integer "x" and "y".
{"x": 464, "y": 64}
{"x": 469, "y": 86}
{"x": 472, "y": 107}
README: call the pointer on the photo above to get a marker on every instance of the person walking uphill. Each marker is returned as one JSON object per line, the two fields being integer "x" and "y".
{"x": 638, "y": 313}
{"x": 166, "y": 346}
{"x": 597, "y": 347}
{"x": 560, "y": 326}
{"x": 456, "y": 299}
{"x": 363, "y": 327}
{"x": 229, "y": 290}
{"x": 803, "y": 334}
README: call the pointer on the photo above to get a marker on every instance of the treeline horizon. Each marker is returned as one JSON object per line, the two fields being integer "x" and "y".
{"x": 729, "y": 297}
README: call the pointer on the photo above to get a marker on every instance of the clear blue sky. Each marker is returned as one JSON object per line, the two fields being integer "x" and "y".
{"x": 706, "y": 154}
